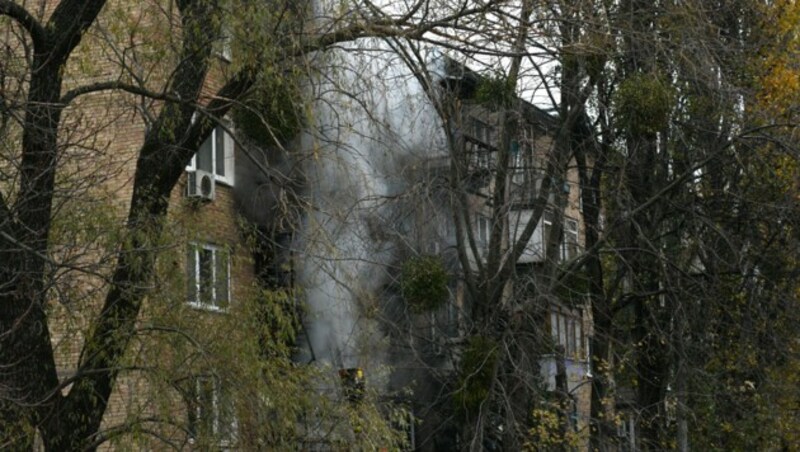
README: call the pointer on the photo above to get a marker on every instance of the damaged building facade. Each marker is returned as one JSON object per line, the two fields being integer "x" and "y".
{"x": 549, "y": 317}
{"x": 372, "y": 183}
{"x": 378, "y": 187}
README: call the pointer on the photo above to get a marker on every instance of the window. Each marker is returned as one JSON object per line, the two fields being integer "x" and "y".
{"x": 569, "y": 246}
{"x": 626, "y": 431}
{"x": 445, "y": 324}
{"x": 484, "y": 231}
{"x": 478, "y": 148}
{"x": 547, "y": 226}
{"x": 481, "y": 131}
{"x": 444, "y": 321}
{"x": 224, "y": 51}
{"x": 211, "y": 411}
{"x": 569, "y": 238}
{"x": 519, "y": 167}
{"x": 215, "y": 156}
{"x": 208, "y": 271}
{"x": 566, "y": 330}
{"x": 524, "y": 170}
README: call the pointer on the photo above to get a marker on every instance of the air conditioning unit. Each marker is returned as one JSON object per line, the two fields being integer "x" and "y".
{"x": 200, "y": 185}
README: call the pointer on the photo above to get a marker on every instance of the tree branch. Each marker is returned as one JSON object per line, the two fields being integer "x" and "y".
{"x": 27, "y": 21}
{"x": 69, "y": 21}
{"x": 72, "y": 94}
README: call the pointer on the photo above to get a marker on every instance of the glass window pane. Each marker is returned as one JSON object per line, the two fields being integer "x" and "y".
{"x": 483, "y": 230}
{"x": 571, "y": 341}
{"x": 225, "y": 412}
{"x": 191, "y": 274}
{"x": 206, "y": 258}
{"x": 546, "y": 235}
{"x": 204, "y": 156}
{"x": 222, "y": 273}
{"x": 193, "y": 409}
{"x": 571, "y": 238}
{"x": 219, "y": 150}
{"x": 205, "y": 402}
{"x": 572, "y": 249}
{"x": 451, "y": 327}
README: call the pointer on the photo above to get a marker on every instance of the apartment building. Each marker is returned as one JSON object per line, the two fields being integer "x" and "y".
{"x": 173, "y": 386}
{"x": 428, "y": 352}
{"x": 206, "y": 273}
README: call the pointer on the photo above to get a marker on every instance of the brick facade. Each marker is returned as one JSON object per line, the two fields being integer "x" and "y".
{"x": 101, "y": 136}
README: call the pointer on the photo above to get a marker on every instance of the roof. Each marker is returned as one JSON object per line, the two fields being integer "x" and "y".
{"x": 464, "y": 82}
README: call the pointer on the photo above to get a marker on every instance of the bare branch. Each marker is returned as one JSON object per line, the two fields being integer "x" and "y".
{"x": 26, "y": 20}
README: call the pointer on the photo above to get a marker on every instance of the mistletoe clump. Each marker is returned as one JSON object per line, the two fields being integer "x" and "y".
{"x": 476, "y": 374}
{"x": 644, "y": 104}
{"x": 424, "y": 283}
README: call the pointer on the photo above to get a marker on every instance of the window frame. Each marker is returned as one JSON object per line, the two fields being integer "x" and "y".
{"x": 194, "y": 295}
{"x": 573, "y": 336}
{"x": 199, "y": 411}
{"x": 479, "y": 147}
{"x": 570, "y": 231}
{"x": 570, "y": 235}
{"x": 484, "y": 230}
{"x": 228, "y": 154}
{"x": 224, "y": 50}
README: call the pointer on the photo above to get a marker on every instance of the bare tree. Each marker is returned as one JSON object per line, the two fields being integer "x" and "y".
{"x": 67, "y": 413}
{"x": 658, "y": 128}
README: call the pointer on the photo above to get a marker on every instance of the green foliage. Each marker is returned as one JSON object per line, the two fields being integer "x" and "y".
{"x": 477, "y": 373}
{"x": 270, "y": 113}
{"x": 278, "y": 404}
{"x": 280, "y": 321}
{"x": 495, "y": 91}
{"x": 644, "y": 103}
{"x": 424, "y": 283}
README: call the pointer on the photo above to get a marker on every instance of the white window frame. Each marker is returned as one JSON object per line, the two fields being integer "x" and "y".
{"x": 569, "y": 231}
{"x": 215, "y": 410}
{"x": 570, "y": 236}
{"x": 228, "y": 154}
{"x": 566, "y": 329}
{"x": 193, "y": 297}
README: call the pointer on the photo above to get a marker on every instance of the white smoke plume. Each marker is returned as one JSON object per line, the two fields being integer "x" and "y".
{"x": 372, "y": 126}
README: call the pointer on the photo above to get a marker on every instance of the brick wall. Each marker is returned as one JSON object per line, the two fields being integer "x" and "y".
{"x": 101, "y": 135}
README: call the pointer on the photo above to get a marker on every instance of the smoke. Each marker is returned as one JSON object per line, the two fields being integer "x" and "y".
{"x": 372, "y": 127}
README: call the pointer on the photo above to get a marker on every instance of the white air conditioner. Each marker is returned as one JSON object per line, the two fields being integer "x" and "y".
{"x": 200, "y": 185}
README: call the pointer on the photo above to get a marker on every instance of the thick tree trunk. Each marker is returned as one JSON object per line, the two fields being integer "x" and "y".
{"x": 28, "y": 380}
